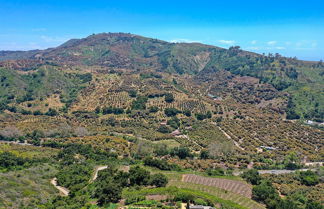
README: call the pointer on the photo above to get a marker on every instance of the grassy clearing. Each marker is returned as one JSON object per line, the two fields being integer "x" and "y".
{"x": 119, "y": 144}
{"x": 27, "y": 188}
{"x": 28, "y": 151}
{"x": 177, "y": 175}
{"x": 170, "y": 143}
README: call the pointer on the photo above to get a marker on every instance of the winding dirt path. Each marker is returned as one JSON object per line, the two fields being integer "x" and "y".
{"x": 100, "y": 168}
{"x": 64, "y": 191}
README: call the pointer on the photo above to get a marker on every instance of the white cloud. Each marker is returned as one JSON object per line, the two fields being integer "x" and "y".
{"x": 253, "y": 48}
{"x": 49, "y": 39}
{"x": 17, "y": 46}
{"x": 314, "y": 44}
{"x": 306, "y": 45}
{"x": 267, "y": 48}
{"x": 33, "y": 45}
{"x": 271, "y": 42}
{"x": 253, "y": 42}
{"x": 183, "y": 40}
{"x": 227, "y": 42}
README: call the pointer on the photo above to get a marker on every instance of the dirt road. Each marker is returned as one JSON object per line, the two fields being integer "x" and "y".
{"x": 64, "y": 191}
{"x": 100, "y": 168}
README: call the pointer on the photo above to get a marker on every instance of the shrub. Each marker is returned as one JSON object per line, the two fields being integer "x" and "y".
{"x": 187, "y": 113}
{"x": 204, "y": 154}
{"x": 9, "y": 161}
{"x": 308, "y": 178}
{"x": 134, "y": 198}
{"x": 169, "y": 97}
{"x": 25, "y": 112}
{"x": 181, "y": 152}
{"x": 37, "y": 112}
{"x": 264, "y": 192}
{"x": 201, "y": 116}
{"x": 252, "y": 176}
{"x": 216, "y": 172}
{"x": 158, "y": 180}
{"x": 164, "y": 129}
{"x": 174, "y": 122}
{"x": 139, "y": 176}
{"x": 160, "y": 164}
{"x": 51, "y": 112}
{"x": 132, "y": 93}
{"x": 171, "y": 112}
{"x": 154, "y": 109}
{"x": 108, "y": 192}
{"x": 12, "y": 109}
{"x": 10, "y": 132}
{"x": 97, "y": 110}
{"x": 139, "y": 103}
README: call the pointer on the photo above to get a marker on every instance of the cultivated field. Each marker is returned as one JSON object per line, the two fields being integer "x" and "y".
{"x": 237, "y": 187}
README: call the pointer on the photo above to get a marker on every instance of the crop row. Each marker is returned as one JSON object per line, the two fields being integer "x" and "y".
{"x": 237, "y": 187}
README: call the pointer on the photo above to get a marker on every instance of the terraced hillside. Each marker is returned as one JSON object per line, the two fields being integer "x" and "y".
{"x": 228, "y": 103}
{"x": 127, "y": 52}
{"x": 236, "y": 190}
{"x": 237, "y": 187}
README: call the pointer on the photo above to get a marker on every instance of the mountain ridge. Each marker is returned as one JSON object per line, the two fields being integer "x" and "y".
{"x": 138, "y": 54}
{"x": 9, "y": 54}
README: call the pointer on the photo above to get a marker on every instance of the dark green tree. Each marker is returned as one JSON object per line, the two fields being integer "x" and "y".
{"x": 132, "y": 93}
{"x": 204, "y": 154}
{"x": 252, "y": 176}
{"x": 181, "y": 152}
{"x": 264, "y": 192}
{"x": 154, "y": 109}
{"x": 158, "y": 180}
{"x": 139, "y": 176}
{"x": 164, "y": 129}
{"x": 171, "y": 112}
{"x": 308, "y": 178}
{"x": 51, "y": 112}
{"x": 108, "y": 192}
{"x": 169, "y": 98}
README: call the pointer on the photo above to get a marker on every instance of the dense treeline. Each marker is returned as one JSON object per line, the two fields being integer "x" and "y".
{"x": 160, "y": 164}
{"x": 10, "y": 161}
{"x": 110, "y": 182}
{"x": 264, "y": 191}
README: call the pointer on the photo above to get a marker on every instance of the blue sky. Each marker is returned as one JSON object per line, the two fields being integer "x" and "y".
{"x": 291, "y": 28}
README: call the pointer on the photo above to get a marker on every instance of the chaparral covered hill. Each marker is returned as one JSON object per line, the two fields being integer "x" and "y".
{"x": 195, "y": 95}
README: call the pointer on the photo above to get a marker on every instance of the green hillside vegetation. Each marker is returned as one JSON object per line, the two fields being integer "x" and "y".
{"x": 47, "y": 80}
{"x": 27, "y": 188}
{"x": 156, "y": 113}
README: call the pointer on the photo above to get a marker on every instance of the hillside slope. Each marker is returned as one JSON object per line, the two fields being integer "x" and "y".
{"x": 193, "y": 95}
{"x": 303, "y": 81}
